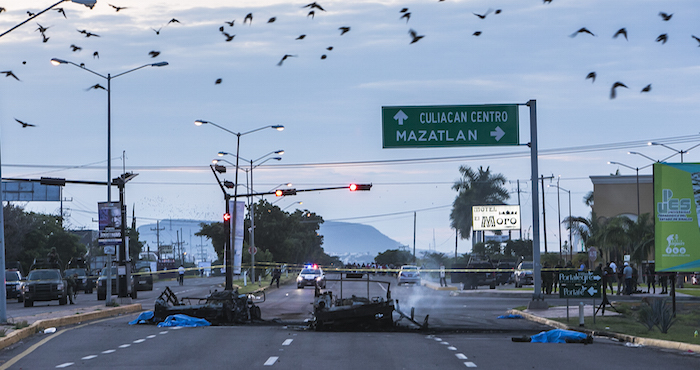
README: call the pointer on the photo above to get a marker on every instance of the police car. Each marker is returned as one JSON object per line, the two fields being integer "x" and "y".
{"x": 311, "y": 275}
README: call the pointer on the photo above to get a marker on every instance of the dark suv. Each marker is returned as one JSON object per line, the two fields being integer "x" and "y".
{"x": 474, "y": 273}
{"x": 45, "y": 285}
{"x": 13, "y": 285}
{"x": 102, "y": 285}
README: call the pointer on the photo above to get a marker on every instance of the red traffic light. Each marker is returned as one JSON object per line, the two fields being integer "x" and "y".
{"x": 283, "y": 192}
{"x": 227, "y": 217}
{"x": 355, "y": 187}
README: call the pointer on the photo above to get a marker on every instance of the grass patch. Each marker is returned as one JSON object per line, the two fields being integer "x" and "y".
{"x": 689, "y": 291}
{"x": 20, "y": 325}
{"x": 687, "y": 314}
{"x": 3, "y": 332}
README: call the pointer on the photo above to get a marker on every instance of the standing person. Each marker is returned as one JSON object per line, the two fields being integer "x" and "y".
{"x": 547, "y": 279}
{"x": 442, "y": 275}
{"x": 651, "y": 279}
{"x": 609, "y": 277}
{"x": 54, "y": 259}
{"x": 628, "y": 273}
{"x": 620, "y": 278}
{"x": 663, "y": 283}
{"x": 72, "y": 285}
{"x": 276, "y": 274}
{"x": 181, "y": 275}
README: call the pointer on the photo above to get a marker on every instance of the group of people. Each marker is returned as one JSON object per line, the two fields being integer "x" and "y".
{"x": 627, "y": 278}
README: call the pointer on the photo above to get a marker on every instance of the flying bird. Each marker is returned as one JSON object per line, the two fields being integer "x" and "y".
{"x": 75, "y": 48}
{"x": 218, "y": 81}
{"x": 477, "y": 33}
{"x": 403, "y": 10}
{"x": 117, "y": 8}
{"x": 301, "y": 37}
{"x": 323, "y": 56}
{"x": 154, "y": 53}
{"x": 60, "y": 10}
{"x": 46, "y": 39}
{"x": 546, "y": 1}
{"x": 285, "y": 57}
{"x": 172, "y": 21}
{"x": 10, "y": 74}
{"x": 221, "y": 29}
{"x": 329, "y": 48}
{"x": 498, "y": 11}
{"x": 314, "y": 5}
{"x": 615, "y": 86}
{"x": 696, "y": 39}
{"x": 89, "y": 34}
{"x": 665, "y": 17}
{"x": 406, "y": 15}
{"x": 157, "y": 31}
{"x": 30, "y": 14}
{"x": 95, "y": 87}
{"x": 484, "y": 15}
{"x": 230, "y": 23}
{"x": 2, "y": 9}
{"x": 582, "y": 30}
{"x": 344, "y": 30}
{"x": 621, "y": 31}
{"x": 42, "y": 29}
{"x": 592, "y": 76}
{"x": 662, "y": 38}
{"x": 415, "y": 36}
{"x": 646, "y": 88}
{"x": 271, "y": 20}
{"x": 312, "y": 14}
{"x": 228, "y": 37}
{"x": 95, "y": 55}
{"x": 248, "y": 17}
{"x": 24, "y": 124}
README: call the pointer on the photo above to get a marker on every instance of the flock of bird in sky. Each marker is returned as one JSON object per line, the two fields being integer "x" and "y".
{"x": 313, "y": 8}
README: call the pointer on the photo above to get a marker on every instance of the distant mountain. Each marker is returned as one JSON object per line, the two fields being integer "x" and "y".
{"x": 354, "y": 242}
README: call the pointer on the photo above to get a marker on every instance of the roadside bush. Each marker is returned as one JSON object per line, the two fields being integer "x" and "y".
{"x": 657, "y": 313}
{"x": 20, "y": 325}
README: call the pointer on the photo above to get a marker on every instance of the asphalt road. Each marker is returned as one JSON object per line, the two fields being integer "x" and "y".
{"x": 464, "y": 332}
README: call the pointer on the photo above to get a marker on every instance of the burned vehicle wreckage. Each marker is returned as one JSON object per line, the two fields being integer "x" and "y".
{"x": 331, "y": 312}
{"x": 225, "y": 307}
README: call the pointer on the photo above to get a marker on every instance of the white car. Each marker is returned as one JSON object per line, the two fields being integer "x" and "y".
{"x": 311, "y": 275}
{"x": 408, "y": 274}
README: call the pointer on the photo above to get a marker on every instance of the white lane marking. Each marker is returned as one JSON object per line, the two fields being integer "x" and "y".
{"x": 445, "y": 343}
{"x": 109, "y": 351}
{"x": 461, "y": 356}
{"x": 452, "y": 348}
{"x": 125, "y": 345}
{"x": 139, "y": 340}
{"x": 151, "y": 336}
{"x": 287, "y": 342}
{"x": 90, "y": 357}
{"x": 65, "y": 365}
{"x": 176, "y": 327}
{"x": 271, "y": 361}
{"x": 163, "y": 332}
{"x": 438, "y": 339}
{"x": 469, "y": 364}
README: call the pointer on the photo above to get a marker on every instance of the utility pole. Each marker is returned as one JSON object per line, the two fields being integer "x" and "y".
{"x": 157, "y": 230}
{"x": 414, "y": 236}
{"x": 521, "y": 225}
{"x": 544, "y": 215}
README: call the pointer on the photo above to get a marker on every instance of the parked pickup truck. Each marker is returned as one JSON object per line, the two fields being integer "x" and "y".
{"x": 45, "y": 285}
{"x": 483, "y": 273}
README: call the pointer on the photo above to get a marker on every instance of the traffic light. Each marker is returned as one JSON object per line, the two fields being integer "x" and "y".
{"x": 355, "y": 187}
{"x": 219, "y": 168}
{"x": 229, "y": 184}
{"x": 227, "y": 217}
{"x": 284, "y": 192}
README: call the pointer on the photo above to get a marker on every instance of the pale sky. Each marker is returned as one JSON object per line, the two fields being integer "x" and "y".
{"x": 331, "y": 108}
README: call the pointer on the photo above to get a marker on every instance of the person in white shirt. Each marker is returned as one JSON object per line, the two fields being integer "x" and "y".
{"x": 181, "y": 275}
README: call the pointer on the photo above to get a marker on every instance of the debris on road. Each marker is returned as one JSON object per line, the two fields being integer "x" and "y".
{"x": 556, "y": 336}
{"x": 219, "y": 307}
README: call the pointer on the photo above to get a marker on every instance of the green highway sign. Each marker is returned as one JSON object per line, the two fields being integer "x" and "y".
{"x": 580, "y": 284}
{"x": 450, "y": 126}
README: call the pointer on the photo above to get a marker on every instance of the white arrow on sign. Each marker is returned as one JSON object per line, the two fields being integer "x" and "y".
{"x": 400, "y": 116}
{"x": 592, "y": 291}
{"x": 497, "y": 133}
{"x": 597, "y": 277}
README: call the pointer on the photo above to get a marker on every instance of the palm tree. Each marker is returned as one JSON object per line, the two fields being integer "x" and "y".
{"x": 474, "y": 189}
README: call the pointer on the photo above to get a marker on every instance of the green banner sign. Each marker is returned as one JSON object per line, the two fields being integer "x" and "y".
{"x": 450, "y": 126}
{"x": 677, "y": 225}
{"x": 580, "y": 284}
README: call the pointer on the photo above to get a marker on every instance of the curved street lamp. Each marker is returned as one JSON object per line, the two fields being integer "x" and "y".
{"x": 109, "y": 77}
{"x": 681, "y": 152}
{"x": 230, "y": 240}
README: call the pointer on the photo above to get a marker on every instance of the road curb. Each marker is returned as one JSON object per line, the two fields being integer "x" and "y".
{"x": 659, "y": 343}
{"x": 40, "y": 325}
{"x": 434, "y": 286}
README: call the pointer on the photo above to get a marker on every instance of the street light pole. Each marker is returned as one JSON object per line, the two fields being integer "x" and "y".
{"x": 229, "y": 263}
{"x": 109, "y": 77}
{"x": 571, "y": 247}
{"x": 681, "y": 152}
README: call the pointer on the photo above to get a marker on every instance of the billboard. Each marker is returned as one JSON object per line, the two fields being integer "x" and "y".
{"x": 676, "y": 216}
{"x": 110, "y": 223}
{"x": 495, "y": 217}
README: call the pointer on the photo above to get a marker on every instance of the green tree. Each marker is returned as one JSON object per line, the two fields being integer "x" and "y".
{"x": 473, "y": 189}
{"x": 518, "y": 248}
{"x": 396, "y": 257}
